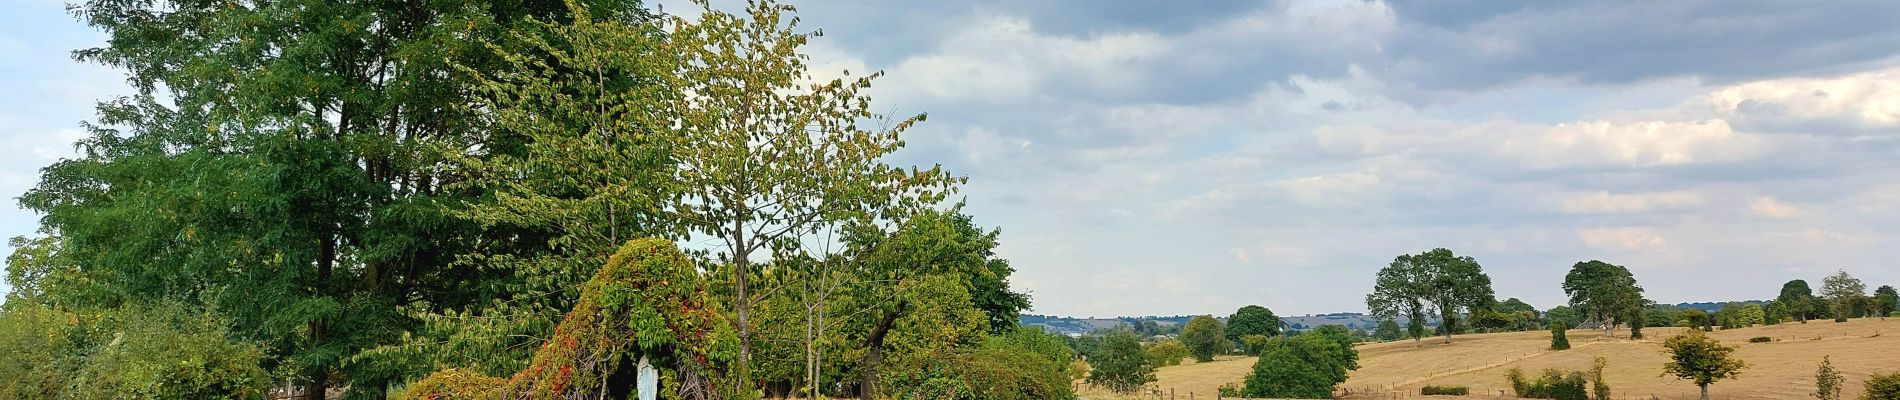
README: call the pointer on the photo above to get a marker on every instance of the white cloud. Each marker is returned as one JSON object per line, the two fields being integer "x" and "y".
{"x": 1768, "y": 207}
{"x": 1604, "y": 202}
{"x": 1623, "y": 239}
{"x": 1600, "y": 143}
{"x": 1869, "y": 100}
{"x": 1240, "y": 255}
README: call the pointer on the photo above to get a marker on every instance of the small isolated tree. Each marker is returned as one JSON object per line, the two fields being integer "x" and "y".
{"x": 1308, "y": 365}
{"x": 1557, "y": 339}
{"x": 1388, "y": 330}
{"x": 1798, "y": 299}
{"x": 1119, "y": 365}
{"x": 1842, "y": 291}
{"x": 1886, "y": 301}
{"x": 1827, "y": 381}
{"x": 1252, "y": 320}
{"x": 1697, "y": 357}
{"x": 1599, "y": 389}
{"x": 1604, "y": 292}
{"x": 1205, "y": 337}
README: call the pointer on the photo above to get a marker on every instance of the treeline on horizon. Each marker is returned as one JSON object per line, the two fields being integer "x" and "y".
{"x": 500, "y": 199}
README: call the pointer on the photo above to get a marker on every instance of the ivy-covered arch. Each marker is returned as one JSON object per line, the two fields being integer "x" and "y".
{"x": 648, "y": 301}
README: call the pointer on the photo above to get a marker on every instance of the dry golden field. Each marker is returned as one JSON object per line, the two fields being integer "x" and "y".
{"x": 1783, "y": 369}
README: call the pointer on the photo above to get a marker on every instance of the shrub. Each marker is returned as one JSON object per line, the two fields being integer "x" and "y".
{"x": 1444, "y": 391}
{"x": 1760, "y": 339}
{"x": 160, "y": 351}
{"x": 1205, "y": 337}
{"x": 1553, "y": 384}
{"x": 1120, "y": 365}
{"x": 1166, "y": 353}
{"x": 1230, "y": 390}
{"x": 1883, "y": 387}
{"x": 1308, "y": 365}
{"x": 1557, "y": 339}
{"x": 1827, "y": 381}
{"x": 1599, "y": 387}
{"x": 1253, "y": 344}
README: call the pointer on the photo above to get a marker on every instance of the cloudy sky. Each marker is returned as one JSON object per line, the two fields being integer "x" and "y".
{"x": 1153, "y": 158}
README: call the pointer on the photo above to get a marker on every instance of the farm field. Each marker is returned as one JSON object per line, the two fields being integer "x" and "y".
{"x": 1783, "y": 369}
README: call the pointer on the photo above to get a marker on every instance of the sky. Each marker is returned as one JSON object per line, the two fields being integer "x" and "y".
{"x": 1151, "y": 158}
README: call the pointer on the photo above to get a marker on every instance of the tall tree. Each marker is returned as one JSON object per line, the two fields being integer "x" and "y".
{"x": 1252, "y": 320}
{"x": 1798, "y": 298}
{"x": 1205, "y": 337}
{"x": 289, "y": 164}
{"x": 1886, "y": 300}
{"x": 1842, "y": 291}
{"x": 766, "y": 155}
{"x": 1434, "y": 281}
{"x": 1604, "y": 292}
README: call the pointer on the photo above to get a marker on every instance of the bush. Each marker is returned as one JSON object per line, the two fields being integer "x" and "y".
{"x": 1883, "y": 387}
{"x": 1827, "y": 380}
{"x": 1308, "y": 365}
{"x": 1119, "y": 365}
{"x": 1553, "y": 384}
{"x": 1253, "y": 344}
{"x": 1600, "y": 387}
{"x": 1444, "y": 391}
{"x": 163, "y": 351}
{"x": 1760, "y": 339}
{"x": 1557, "y": 339}
{"x": 1230, "y": 390}
{"x": 1166, "y": 353}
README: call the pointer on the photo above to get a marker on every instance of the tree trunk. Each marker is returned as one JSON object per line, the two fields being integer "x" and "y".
{"x": 1705, "y": 392}
{"x": 326, "y": 261}
{"x": 874, "y": 353}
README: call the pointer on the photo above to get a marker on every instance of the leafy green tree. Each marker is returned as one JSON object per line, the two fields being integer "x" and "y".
{"x": 1308, "y": 365}
{"x": 291, "y": 166}
{"x": 1558, "y": 341}
{"x": 1388, "y": 330}
{"x": 1522, "y": 312}
{"x": 1435, "y": 281}
{"x": 1563, "y": 314}
{"x": 1886, "y": 301}
{"x": 1119, "y": 365}
{"x": 1604, "y": 292}
{"x": 1775, "y": 313}
{"x": 1827, "y": 380}
{"x": 1205, "y": 337}
{"x": 930, "y": 253}
{"x": 1699, "y": 358}
{"x": 1252, "y": 320}
{"x": 1799, "y": 300}
{"x": 765, "y": 157}
{"x": 1841, "y": 291}
{"x": 1599, "y": 388}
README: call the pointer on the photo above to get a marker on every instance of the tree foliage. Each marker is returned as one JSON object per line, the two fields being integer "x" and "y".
{"x": 1205, "y": 337}
{"x": 1827, "y": 380}
{"x": 1308, "y": 365}
{"x": 1436, "y": 282}
{"x": 1842, "y": 291}
{"x": 1886, "y": 300}
{"x": 1799, "y": 299}
{"x": 1252, "y": 320}
{"x": 1696, "y": 357}
{"x": 1119, "y": 365}
{"x": 1166, "y": 353}
{"x": 1603, "y": 292}
{"x": 163, "y": 350}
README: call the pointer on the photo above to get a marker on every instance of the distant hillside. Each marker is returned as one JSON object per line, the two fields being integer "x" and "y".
{"x": 1078, "y": 326}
